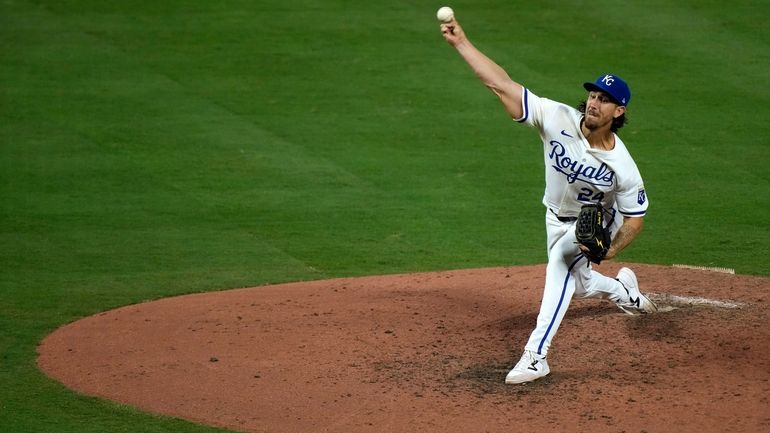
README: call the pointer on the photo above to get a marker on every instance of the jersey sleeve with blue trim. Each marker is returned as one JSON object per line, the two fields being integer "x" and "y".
{"x": 535, "y": 109}
{"x": 631, "y": 197}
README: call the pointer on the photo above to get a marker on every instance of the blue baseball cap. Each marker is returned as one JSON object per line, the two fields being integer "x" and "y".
{"x": 613, "y": 86}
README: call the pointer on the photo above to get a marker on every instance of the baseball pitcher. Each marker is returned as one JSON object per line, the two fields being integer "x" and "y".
{"x": 595, "y": 201}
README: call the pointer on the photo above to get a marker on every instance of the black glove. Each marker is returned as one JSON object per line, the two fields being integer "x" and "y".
{"x": 590, "y": 232}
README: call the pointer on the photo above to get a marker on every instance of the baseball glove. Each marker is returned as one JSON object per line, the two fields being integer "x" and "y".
{"x": 590, "y": 232}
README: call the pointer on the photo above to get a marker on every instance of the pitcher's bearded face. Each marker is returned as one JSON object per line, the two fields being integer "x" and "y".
{"x": 601, "y": 110}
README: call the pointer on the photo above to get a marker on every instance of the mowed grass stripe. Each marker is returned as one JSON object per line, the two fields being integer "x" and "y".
{"x": 120, "y": 172}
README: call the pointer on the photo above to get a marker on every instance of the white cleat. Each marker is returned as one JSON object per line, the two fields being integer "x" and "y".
{"x": 637, "y": 303}
{"x": 530, "y": 367}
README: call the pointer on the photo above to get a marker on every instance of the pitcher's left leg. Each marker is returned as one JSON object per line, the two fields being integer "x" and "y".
{"x": 558, "y": 291}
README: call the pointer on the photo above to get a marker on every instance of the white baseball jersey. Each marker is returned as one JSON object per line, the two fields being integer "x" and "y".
{"x": 575, "y": 173}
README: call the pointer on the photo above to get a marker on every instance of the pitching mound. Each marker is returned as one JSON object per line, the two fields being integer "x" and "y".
{"x": 429, "y": 352}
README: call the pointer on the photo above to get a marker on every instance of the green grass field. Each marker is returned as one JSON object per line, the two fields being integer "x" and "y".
{"x": 155, "y": 148}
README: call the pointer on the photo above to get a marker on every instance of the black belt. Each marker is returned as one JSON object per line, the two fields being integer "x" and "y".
{"x": 563, "y": 219}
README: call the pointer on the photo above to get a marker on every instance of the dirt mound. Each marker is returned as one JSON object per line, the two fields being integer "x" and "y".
{"x": 428, "y": 353}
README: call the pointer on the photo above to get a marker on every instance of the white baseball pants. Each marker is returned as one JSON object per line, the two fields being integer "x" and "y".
{"x": 567, "y": 275}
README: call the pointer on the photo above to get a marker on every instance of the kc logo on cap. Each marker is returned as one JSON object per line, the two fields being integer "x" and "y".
{"x": 613, "y": 86}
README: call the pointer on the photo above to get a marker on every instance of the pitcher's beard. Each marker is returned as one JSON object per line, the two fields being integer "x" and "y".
{"x": 593, "y": 122}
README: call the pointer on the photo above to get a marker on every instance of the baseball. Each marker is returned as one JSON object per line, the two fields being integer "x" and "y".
{"x": 445, "y": 14}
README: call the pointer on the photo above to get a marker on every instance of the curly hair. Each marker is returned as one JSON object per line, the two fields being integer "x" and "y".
{"x": 617, "y": 122}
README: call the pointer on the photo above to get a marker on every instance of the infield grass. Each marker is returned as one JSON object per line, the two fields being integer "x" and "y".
{"x": 149, "y": 149}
